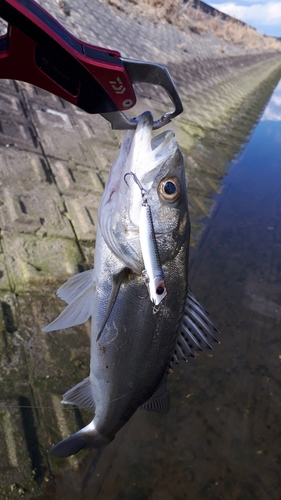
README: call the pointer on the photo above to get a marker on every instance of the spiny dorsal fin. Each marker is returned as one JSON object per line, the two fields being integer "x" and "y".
{"x": 196, "y": 331}
{"x": 159, "y": 401}
{"x": 81, "y": 395}
{"x": 76, "y": 286}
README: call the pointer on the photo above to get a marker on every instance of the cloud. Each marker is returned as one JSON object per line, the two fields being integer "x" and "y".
{"x": 256, "y": 14}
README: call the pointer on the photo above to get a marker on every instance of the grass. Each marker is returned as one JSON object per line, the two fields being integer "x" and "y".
{"x": 192, "y": 20}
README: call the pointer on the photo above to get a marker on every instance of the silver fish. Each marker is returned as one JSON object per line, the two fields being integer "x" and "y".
{"x": 136, "y": 348}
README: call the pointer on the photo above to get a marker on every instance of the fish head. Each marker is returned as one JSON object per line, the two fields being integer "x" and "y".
{"x": 157, "y": 164}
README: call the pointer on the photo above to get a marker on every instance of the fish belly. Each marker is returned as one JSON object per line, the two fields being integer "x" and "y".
{"x": 132, "y": 355}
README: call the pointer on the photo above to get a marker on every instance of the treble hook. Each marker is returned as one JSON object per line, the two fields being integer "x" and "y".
{"x": 143, "y": 191}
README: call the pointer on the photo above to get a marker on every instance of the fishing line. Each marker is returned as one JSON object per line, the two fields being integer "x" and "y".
{"x": 42, "y": 407}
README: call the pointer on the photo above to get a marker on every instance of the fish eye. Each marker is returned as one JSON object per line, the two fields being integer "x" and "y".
{"x": 160, "y": 290}
{"x": 169, "y": 189}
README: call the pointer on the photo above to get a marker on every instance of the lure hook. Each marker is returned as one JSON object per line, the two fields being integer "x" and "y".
{"x": 137, "y": 181}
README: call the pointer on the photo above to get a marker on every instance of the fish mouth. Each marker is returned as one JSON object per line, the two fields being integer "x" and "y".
{"x": 144, "y": 131}
{"x": 145, "y": 120}
{"x": 161, "y": 140}
{"x": 157, "y": 149}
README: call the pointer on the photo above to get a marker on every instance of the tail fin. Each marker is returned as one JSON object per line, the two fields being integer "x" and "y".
{"x": 88, "y": 437}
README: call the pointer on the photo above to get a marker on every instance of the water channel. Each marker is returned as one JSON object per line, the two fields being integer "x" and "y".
{"x": 222, "y": 436}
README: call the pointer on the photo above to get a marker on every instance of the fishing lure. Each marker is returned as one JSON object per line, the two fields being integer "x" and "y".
{"x": 152, "y": 274}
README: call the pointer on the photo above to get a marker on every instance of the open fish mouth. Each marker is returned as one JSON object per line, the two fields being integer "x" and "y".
{"x": 148, "y": 153}
{"x": 162, "y": 147}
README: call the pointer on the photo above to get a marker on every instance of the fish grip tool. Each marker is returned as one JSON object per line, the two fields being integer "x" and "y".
{"x": 37, "y": 49}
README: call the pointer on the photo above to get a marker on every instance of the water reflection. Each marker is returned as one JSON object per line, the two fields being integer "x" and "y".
{"x": 273, "y": 110}
{"x": 210, "y": 159}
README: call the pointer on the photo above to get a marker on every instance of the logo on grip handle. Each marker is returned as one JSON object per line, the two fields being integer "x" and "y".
{"x": 119, "y": 88}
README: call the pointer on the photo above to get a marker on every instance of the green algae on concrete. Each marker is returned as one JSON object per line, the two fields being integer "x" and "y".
{"x": 34, "y": 369}
{"x": 31, "y": 259}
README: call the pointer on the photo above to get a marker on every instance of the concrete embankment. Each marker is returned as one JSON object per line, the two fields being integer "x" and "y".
{"x": 54, "y": 160}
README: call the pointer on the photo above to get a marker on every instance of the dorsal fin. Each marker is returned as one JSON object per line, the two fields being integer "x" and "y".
{"x": 196, "y": 331}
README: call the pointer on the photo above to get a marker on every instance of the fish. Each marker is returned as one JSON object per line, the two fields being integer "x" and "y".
{"x": 134, "y": 344}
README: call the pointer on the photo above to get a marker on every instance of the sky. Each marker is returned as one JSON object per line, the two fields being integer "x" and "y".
{"x": 264, "y": 15}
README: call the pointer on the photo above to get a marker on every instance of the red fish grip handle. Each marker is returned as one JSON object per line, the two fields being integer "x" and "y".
{"x": 39, "y": 50}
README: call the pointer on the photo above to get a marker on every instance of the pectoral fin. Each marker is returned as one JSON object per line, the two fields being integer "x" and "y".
{"x": 76, "y": 285}
{"x": 116, "y": 283}
{"x": 79, "y": 292}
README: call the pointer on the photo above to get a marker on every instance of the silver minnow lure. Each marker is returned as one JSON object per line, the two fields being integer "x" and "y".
{"x": 132, "y": 348}
{"x": 153, "y": 273}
